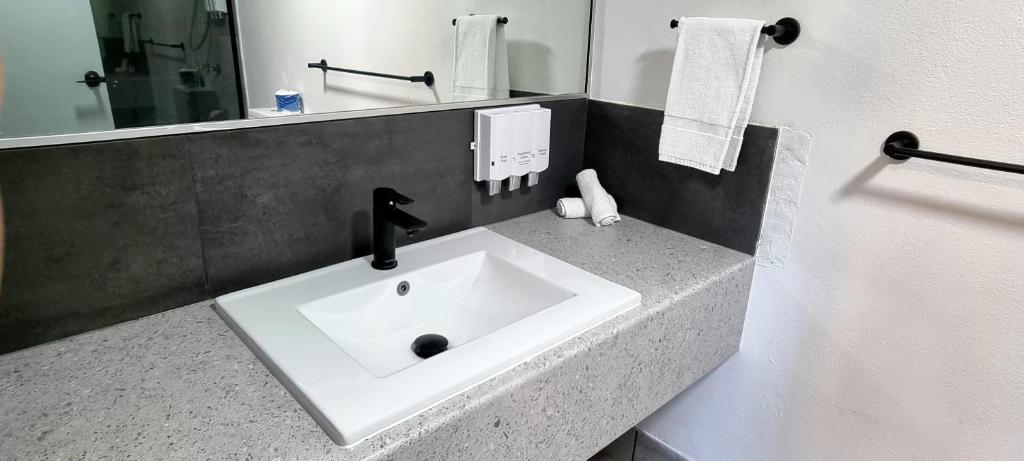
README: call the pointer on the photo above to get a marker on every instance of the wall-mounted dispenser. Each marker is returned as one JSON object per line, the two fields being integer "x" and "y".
{"x": 511, "y": 142}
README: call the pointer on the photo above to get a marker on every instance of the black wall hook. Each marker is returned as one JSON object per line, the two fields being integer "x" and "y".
{"x": 784, "y": 31}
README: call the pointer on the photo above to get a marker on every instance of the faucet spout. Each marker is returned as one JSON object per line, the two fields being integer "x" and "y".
{"x": 405, "y": 220}
{"x": 386, "y": 217}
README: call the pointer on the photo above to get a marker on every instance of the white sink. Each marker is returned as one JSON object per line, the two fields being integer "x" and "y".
{"x": 340, "y": 338}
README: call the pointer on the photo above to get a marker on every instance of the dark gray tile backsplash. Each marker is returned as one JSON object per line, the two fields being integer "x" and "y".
{"x": 96, "y": 234}
{"x": 106, "y": 232}
{"x": 622, "y": 145}
{"x": 302, "y": 199}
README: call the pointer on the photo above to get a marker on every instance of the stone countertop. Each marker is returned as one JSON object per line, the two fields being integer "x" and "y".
{"x": 181, "y": 385}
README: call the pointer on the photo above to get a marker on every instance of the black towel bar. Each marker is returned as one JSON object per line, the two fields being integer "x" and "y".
{"x": 903, "y": 145}
{"x": 427, "y": 77}
{"x": 784, "y": 31}
{"x": 180, "y": 46}
{"x": 501, "y": 20}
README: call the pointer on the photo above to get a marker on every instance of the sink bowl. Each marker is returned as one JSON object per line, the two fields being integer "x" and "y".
{"x": 340, "y": 338}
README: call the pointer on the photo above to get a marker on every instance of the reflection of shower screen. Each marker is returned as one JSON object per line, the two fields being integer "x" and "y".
{"x": 135, "y": 51}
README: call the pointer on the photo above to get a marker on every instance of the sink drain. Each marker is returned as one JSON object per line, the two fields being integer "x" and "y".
{"x": 429, "y": 345}
{"x": 403, "y": 288}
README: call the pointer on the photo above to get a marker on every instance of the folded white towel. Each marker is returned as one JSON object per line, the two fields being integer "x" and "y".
{"x": 602, "y": 209}
{"x": 575, "y": 207}
{"x": 481, "y": 59}
{"x": 714, "y": 76}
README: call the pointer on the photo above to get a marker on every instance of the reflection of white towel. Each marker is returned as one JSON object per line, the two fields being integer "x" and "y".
{"x": 130, "y": 33}
{"x": 780, "y": 211}
{"x": 481, "y": 59}
{"x": 714, "y": 76}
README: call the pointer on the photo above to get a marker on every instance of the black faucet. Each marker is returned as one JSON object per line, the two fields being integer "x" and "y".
{"x": 386, "y": 216}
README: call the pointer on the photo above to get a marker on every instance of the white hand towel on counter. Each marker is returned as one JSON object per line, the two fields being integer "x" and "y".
{"x": 481, "y": 59}
{"x": 602, "y": 209}
{"x": 575, "y": 207}
{"x": 791, "y": 153}
{"x": 714, "y": 76}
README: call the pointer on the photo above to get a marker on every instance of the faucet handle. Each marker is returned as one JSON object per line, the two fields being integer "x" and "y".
{"x": 384, "y": 195}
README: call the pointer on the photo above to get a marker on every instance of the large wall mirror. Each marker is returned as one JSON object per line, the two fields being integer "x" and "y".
{"x": 88, "y": 66}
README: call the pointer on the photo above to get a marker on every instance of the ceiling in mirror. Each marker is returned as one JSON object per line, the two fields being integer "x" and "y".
{"x": 87, "y": 66}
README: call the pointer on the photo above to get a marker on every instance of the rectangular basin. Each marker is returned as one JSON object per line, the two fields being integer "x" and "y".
{"x": 340, "y": 338}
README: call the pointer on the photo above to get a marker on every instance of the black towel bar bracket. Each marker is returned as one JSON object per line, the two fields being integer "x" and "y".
{"x": 903, "y": 145}
{"x": 784, "y": 31}
{"x": 427, "y": 77}
{"x": 501, "y": 20}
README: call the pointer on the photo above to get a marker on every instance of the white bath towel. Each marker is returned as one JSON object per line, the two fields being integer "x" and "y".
{"x": 714, "y": 75}
{"x": 602, "y": 209}
{"x": 780, "y": 212}
{"x": 732, "y": 154}
{"x": 130, "y": 33}
{"x": 575, "y": 207}
{"x": 481, "y": 59}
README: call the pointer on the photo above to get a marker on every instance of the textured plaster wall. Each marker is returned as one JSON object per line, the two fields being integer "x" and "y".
{"x": 896, "y": 331}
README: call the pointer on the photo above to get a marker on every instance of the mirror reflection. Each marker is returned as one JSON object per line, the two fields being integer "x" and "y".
{"x": 75, "y": 66}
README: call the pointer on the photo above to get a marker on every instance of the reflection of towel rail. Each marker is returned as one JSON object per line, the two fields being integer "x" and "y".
{"x": 501, "y": 20}
{"x": 784, "y": 32}
{"x": 180, "y": 46}
{"x": 427, "y": 77}
{"x": 130, "y": 16}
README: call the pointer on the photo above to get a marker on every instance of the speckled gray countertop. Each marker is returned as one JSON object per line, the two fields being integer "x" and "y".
{"x": 181, "y": 385}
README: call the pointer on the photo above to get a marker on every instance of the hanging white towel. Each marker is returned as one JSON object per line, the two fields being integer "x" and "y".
{"x": 732, "y": 154}
{"x": 130, "y": 33}
{"x": 481, "y": 59}
{"x": 714, "y": 76}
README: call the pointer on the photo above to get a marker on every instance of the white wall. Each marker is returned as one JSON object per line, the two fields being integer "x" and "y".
{"x": 547, "y": 42}
{"x": 896, "y": 331}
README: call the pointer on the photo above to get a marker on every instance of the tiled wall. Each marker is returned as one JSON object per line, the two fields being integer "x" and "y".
{"x": 106, "y": 232}
{"x": 622, "y": 145}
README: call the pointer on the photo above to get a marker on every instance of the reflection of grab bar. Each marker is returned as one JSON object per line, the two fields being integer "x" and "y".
{"x": 501, "y": 20}
{"x": 427, "y": 77}
{"x": 180, "y": 46}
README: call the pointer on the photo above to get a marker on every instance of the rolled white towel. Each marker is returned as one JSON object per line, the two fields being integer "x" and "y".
{"x": 602, "y": 209}
{"x": 574, "y": 207}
